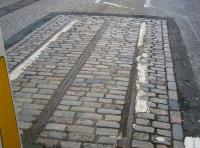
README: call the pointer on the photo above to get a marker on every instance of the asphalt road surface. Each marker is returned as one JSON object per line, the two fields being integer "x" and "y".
{"x": 19, "y": 20}
{"x": 5, "y": 3}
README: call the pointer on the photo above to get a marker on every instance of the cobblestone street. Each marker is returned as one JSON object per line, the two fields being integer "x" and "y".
{"x": 83, "y": 81}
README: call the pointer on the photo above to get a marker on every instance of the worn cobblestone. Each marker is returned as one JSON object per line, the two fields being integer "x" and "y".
{"x": 161, "y": 140}
{"x": 69, "y": 144}
{"x": 90, "y": 145}
{"x": 107, "y": 140}
{"x": 157, "y": 88}
{"x": 164, "y": 132}
{"x": 22, "y": 49}
{"x": 106, "y": 131}
{"x": 53, "y": 134}
{"x": 140, "y": 136}
{"x": 48, "y": 142}
{"x": 144, "y": 128}
{"x": 142, "y": 121}
{"x": 54, "y": 126}
{"x": 90, "y": 113}
{"x": 97, "y": 94}
{"x": 141, "y": 144}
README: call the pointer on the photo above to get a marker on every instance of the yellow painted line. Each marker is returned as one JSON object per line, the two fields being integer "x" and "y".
{"x": 8, "y": 123}
{"x": 141, "y": 34}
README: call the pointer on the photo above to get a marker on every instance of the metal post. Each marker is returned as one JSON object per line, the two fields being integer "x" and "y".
{"x": 9, "y": 132}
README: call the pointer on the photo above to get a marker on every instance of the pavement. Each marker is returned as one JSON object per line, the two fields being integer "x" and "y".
{"x": 96, "y": 81}
{"x": 125, "y": 77}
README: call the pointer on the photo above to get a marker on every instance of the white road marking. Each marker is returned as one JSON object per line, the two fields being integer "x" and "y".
{"x": 169, "y": 12}
{"x": 97, "y": 1}
{"x": 116, "y": 5}
{"x": 141, "y": 105}
{"x": 17, "y": 71}
{"x": 141, "y": 34}
{"x": 193, "y": 29}
{"x": 147, "y": 3}
{"x": 192, "y": 142}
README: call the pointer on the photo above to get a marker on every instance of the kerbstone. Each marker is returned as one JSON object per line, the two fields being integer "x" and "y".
{"x": 178, "y": 144}
{"x": 174, "y": 105}
{"x": 172, "y": 86}
{"x": 172, "y": 95}
{"x": 175, "y": 117}
{"x": 177, "y": 131}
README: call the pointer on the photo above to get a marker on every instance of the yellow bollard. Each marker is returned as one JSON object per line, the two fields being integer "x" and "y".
{"x": 9, "y": 133}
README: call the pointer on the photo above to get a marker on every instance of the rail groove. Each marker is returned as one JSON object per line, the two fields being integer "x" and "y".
{"x": 31, "y": 134}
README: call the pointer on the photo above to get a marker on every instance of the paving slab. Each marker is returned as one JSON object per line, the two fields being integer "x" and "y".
{"x": 106, "y": 81}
